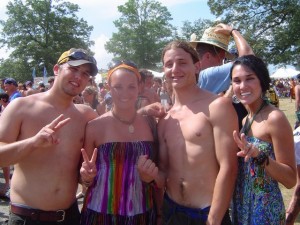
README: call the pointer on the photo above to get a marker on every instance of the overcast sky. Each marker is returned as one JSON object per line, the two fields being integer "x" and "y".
{"x": 101, "y": 13}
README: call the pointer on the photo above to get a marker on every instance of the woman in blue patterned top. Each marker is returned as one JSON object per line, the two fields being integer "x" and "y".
{"x": 266, "y": 149}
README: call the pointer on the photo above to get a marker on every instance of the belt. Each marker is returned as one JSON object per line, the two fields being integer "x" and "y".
{"x": 40, "y": 215}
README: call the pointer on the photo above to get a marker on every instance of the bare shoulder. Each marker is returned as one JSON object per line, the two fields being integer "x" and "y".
{"x": 275, "y": 116}
{"x": 86, "y": 111}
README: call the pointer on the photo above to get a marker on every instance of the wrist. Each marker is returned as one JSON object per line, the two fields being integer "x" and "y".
{"x": 232, "y": 30}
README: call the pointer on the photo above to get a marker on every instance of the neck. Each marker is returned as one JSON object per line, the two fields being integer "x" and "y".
{"x": 127, "y": 117}
{"x": 184, "y": 96}
{"x": 255, "y": 107}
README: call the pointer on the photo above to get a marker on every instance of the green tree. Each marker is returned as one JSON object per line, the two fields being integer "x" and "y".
{"x": 197, "y": 27}
{"x": 270, "y": 26}
{"x": 143, "y": 30}
{"x": 38, "y": 31}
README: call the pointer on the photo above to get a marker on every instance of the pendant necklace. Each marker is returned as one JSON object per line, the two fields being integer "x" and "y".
{"x": 129, "y": 123}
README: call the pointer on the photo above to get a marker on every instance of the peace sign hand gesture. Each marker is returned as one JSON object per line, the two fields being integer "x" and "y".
{"x": 247, "y": 149}
{"x": 47, "y": 136}
{"x": 88, "y": 168}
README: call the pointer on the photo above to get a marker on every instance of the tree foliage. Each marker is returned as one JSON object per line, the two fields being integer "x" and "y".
{"x": 197, "y": 27}
{"x": 38, "y": 31}
{"x": 270, "y": 26}
{"x": 143, "y": 30}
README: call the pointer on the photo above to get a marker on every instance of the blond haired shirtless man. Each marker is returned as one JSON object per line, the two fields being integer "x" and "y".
{"x": 41, "y": 135}
{"x": 197, "y": 159}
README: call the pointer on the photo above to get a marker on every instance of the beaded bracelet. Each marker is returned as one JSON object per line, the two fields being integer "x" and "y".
{"x": 262, "y": 159}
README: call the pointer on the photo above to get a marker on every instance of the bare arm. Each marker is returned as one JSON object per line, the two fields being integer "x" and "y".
{"x": 13, "y": 150}
{"x": 226, "y": 150}
{"x": 240, "y": 42}
{"x": 284, "y": 168}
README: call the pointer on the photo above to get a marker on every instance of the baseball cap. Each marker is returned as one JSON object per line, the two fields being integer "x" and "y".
{"x": 77, "y": 57}
{"x": 210, "y": 37}
{"x": 11, "y": 81}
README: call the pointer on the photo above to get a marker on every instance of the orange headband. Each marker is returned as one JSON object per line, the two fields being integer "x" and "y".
{"x": 124, "y": 66}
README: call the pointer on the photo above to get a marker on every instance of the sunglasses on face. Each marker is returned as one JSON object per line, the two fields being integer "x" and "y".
{"x": 116, "y": 63}
{"x": 79, "y": 56}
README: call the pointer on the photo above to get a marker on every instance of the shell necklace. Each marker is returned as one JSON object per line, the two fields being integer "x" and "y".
{"x": 127, "y": 122}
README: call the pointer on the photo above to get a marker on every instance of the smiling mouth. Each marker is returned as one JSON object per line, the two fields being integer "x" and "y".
{"x": 245, "y": 94}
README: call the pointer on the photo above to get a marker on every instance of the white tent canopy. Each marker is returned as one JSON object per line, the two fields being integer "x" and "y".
{"x": 157, "y": 74}
{"x": 285, "y": 73}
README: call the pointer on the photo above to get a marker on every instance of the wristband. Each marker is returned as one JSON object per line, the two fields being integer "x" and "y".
{"x": 262, "y": 159}
{"x": 233, "y": 30}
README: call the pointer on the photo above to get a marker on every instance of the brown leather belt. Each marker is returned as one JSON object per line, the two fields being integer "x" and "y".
{"x": 39, "y": 215}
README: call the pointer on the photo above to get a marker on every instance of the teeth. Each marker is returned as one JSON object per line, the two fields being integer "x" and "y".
{"x": 246, "y": 93}
{"x": 75, "y": 84}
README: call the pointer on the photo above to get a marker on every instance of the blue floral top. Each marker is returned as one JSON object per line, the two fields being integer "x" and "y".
{"x": 257, "y": 199}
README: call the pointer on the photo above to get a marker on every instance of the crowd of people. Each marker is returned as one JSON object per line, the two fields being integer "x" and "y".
{"x": 202, "y": 145}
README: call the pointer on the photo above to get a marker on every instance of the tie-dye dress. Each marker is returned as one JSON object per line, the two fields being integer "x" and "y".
{"x": 257, "y": 199}
{"x": 117, "y": 195}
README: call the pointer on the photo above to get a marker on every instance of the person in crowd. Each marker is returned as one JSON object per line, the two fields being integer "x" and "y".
{"x": 112, "y": 146}
{"x": 266, "y": 148}
{"x": 41, "y": 87}
{"x": 29, "y": 88}
{"x": 2, "y": 85}
{"x": 11, "y": 88}
{"x": 294, "y": 205}
{"x": 41, "y": 135}
{"x": 197, "y": 154}
{"x": 292, "y": 85}
{"x": 51, "y": 82}
{"x": 297, "y": 102}
{"x": 4, "y": 192}
{"x": 157, "y": 83}
{"x": 90, "y": 97}
{"x": 212, "y": 49}
{"x": 22, "y": 89}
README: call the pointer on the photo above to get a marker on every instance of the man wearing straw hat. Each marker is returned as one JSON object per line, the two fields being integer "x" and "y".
{"x": 213, "y": 49}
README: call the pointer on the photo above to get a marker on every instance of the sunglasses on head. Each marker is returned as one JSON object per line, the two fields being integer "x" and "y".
{"x": 116, "y": 63}
{"x": 79, "y": 56}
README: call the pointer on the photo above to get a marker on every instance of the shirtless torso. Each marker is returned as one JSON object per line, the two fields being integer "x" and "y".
{"x": 189, "y": 152}
{"x": 54, "y": 167}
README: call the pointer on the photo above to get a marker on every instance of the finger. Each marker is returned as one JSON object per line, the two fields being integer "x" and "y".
{"x": 85, "y": 155}
{"x": 141, "y": 160}
{"x": 237, "y": 139}
{"x": 58, "y": 122}
{"x": 94, "y": 156}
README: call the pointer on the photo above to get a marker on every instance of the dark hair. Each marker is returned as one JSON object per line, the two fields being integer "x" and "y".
{"x": 4, "y": 96}
{"x": 203, "y": 48}
{"x": 183, "y": 45}
{"x": 144, "y": 74}
{"x": 257, "y": 66}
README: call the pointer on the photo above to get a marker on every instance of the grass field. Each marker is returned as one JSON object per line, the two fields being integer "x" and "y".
{"x": 288, "y": 108}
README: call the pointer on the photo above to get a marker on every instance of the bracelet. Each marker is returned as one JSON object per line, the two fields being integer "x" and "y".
{"x": 262, "y": 159}
{"x": 233, "y": 30}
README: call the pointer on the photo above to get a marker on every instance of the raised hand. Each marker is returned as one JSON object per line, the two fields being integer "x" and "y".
{"x": 47, "y": 136}
{"x": 88, "y": 168}
{"x": 247, "y": 149}
{"x": 147, "y": 169}
{"x": 155, "y": 109}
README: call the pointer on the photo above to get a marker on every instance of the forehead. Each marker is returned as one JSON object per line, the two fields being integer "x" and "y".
{"x": 176, "y": 54}
{"x": 241, "y": 70}
{"x": 123, "y": 75}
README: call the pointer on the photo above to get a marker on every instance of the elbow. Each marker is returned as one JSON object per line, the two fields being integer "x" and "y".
{"x": 291, "y": 182}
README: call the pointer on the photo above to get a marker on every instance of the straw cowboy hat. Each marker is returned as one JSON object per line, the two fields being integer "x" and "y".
{"x": 210, "y": 37}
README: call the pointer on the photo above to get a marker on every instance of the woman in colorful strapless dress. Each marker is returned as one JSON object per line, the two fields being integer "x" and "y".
{"x": 266, "y": 149}
{"x": 113, "y": 144}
